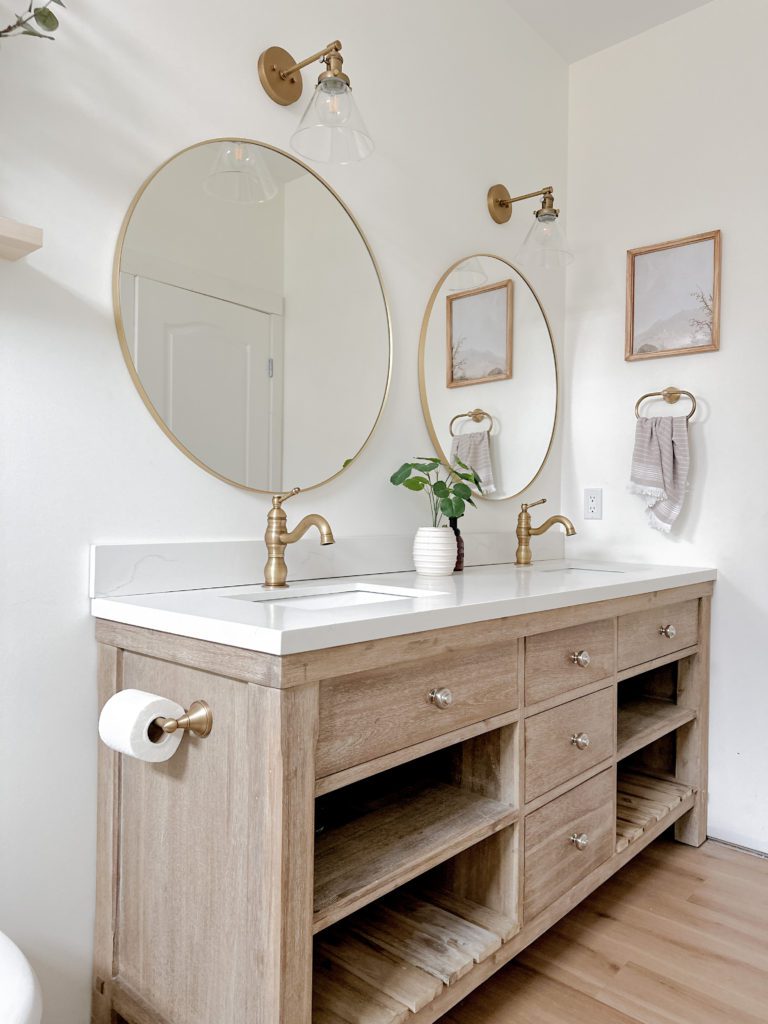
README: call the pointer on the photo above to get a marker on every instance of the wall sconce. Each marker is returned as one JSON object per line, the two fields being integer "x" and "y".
{"x": 545, "y": 244}
{"x": 331, "y": 130}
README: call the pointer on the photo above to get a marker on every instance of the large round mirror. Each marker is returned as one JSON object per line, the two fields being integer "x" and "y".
{"x": 252, "y": 316}
{"x": 488, "y": 374}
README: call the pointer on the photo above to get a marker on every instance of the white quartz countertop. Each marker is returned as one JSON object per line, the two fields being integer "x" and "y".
{"x": 303, "y": 617}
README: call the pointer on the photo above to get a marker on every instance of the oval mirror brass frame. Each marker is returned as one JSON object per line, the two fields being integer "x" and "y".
{"x": 124, "y": 341}
{"x": 423, "y": 384}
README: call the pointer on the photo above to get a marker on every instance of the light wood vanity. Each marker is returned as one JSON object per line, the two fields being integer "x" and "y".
{"x": 354, "y": 844}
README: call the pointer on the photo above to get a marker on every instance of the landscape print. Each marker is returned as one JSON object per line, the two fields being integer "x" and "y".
{"x": 479, "y": 329}
{"x": 673, "y": 297}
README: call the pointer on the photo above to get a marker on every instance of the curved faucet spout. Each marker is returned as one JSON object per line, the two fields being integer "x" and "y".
{"x": 323, "y": 527}
{"x": 563, "y": 520}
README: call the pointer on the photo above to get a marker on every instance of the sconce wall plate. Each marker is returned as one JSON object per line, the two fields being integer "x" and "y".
{"x": 499, "y": 203}
{"x": 284, "y": 91}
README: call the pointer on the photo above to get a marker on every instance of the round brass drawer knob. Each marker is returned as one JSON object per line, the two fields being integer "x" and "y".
{"x": 580, "y": 841}
{"x": 442, "y": 698}
{"x": 581, "y": 658}
{"x": 668, "y": 631}
{"x": 580, "y": 740}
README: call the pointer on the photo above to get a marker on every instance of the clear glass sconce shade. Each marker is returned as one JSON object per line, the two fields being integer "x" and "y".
{"x": 545, "y": 244}
{"x": 240, "y": 175}
{"x": 467, "y": 276}
{"x": 332, "y": 130}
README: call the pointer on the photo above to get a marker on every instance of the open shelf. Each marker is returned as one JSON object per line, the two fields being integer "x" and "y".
{"x": 646, "y": 719}
{"x": 394, "y": 958}
{"x": 394, "y": 841}
{"x": 18, "y": 240}
{"x": 644, "y": 800}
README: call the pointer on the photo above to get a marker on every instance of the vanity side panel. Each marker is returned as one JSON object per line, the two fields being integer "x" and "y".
{"x": 183, "y": 875}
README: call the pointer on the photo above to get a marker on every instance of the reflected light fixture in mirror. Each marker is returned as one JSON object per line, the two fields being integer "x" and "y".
{"x": 331, "y": 129}
{"x": 545, "y": 244}
{"x": 240, "y": 175}
{"x": 467, "y": 275}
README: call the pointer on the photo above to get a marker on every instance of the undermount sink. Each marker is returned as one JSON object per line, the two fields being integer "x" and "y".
{"x": 581, "y": 568}
{"x": 349, "y": 595}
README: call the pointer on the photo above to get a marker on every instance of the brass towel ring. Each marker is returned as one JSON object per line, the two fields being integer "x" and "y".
{"x": 670, "y": 395}
{"x": 477, "y": 415}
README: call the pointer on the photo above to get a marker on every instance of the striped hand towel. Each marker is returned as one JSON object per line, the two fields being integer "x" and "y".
{"x": 474, "y": 450}
{"x": 660, "y": 467}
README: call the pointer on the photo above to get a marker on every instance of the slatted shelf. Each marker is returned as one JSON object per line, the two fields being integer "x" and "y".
{"x": 395, "y": 957}
{"x": 644, "y": 800}
{"x": 642, "y": 721}
{"x": 363, "y": 859}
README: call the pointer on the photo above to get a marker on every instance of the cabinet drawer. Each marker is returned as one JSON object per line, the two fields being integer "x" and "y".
{"x": 551, "y": 667}
{"x": 369, "y": 714}
{"x": 642, "y": 635}
{"x": 553, "y": 863}
{"x": 552, "y": 753}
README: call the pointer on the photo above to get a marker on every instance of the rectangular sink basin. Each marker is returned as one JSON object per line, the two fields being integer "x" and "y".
{"x": 340, "y": 595}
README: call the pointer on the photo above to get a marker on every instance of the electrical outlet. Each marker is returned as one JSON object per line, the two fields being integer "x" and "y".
{"x": 593, "y": 503}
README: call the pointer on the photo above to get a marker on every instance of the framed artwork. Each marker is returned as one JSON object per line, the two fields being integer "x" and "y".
{"x": 479, "y": 335}
{"x": 673, "y": 298}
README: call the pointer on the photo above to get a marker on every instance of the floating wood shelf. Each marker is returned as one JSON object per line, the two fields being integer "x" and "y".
{"x": 644, "y": 800}
{"x": 18, "y": 240}
{"x": 361, "y": 860}
{"x": 394, "y": 958}
{"x": 640, "y": 722}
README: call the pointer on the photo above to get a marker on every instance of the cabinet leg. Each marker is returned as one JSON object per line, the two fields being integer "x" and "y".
{"x": 693, "y": 739}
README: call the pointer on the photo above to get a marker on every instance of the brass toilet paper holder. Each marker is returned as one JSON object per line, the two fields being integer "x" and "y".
{"x": 198, "y": 720}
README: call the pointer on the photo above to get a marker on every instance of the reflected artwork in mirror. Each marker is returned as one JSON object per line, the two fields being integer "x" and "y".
{"x": 252, "y": 317}
{"x": 488, "y": 373}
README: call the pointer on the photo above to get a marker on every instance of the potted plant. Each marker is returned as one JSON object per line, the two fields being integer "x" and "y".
{"x": 448, "y": 492}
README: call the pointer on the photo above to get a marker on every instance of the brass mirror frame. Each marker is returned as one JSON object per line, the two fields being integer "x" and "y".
{"x": 422, "y": 377}
{"x": 120, "y": 327}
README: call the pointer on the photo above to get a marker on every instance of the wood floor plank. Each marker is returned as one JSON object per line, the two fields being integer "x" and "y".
{"x": 678, "y": 937}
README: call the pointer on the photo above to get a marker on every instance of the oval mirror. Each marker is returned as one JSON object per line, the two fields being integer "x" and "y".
{"x": 487, "y": 364}
{"x": 252, "y": 316}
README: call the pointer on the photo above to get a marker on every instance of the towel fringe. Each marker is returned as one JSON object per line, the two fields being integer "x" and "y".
{"x": 654, "y": 493}
{"x": 656, "y": 524}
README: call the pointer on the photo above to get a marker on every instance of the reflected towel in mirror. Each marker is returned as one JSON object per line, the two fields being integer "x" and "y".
{"x": 474, "y": 450}
{"x": 660, "y": 467}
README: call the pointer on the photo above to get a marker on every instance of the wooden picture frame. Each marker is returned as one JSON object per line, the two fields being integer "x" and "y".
{"x": 673, "y": 300}
{"x": 489, "y": 326}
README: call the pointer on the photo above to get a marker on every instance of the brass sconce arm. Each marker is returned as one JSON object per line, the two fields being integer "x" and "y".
{"x": 500, "y": 202}
{"x": 280, "y": 76}
{"x": 329, "y": 49}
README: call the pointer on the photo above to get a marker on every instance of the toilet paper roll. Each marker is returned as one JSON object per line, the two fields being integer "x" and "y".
{"x": 125, "y": 720}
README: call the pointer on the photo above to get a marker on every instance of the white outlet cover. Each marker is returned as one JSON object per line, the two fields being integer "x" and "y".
{"x": 593, "y": 503}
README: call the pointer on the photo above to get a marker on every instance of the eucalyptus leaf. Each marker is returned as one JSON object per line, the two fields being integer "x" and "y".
{"x": 46, "y": 19}
{"x": 416, "y": 483}
{"x": 462, "y": 490}
{"x": 426, "y": 467}
{"x": 440, "y": 488}
{"x": 59, "y": 2}
{"x": 401, "y": 475}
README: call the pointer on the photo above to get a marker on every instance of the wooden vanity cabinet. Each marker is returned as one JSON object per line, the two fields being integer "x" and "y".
{"x": 354, "y": 844}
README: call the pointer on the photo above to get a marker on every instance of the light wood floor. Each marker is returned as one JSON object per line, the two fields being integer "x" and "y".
{"x": 679, "y": 936}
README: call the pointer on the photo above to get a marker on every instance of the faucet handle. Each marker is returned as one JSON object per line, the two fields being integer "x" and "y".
{"x": 532, "y": 504}
{"x": 278, "y": 499}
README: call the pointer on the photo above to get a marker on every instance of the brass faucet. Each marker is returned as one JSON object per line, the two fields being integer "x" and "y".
{"x": 277, "y": 539}
{"x": 525, "y": 531}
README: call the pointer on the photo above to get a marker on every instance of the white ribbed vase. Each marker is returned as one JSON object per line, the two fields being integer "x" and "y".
{"x": 434, "y": 551}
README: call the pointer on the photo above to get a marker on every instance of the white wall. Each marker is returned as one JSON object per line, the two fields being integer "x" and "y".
{"x": 667, "y": 139}
{"x": 83, "y": 121}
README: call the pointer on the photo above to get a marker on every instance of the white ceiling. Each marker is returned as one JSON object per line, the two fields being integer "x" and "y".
{"x": 577, "y": 28}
